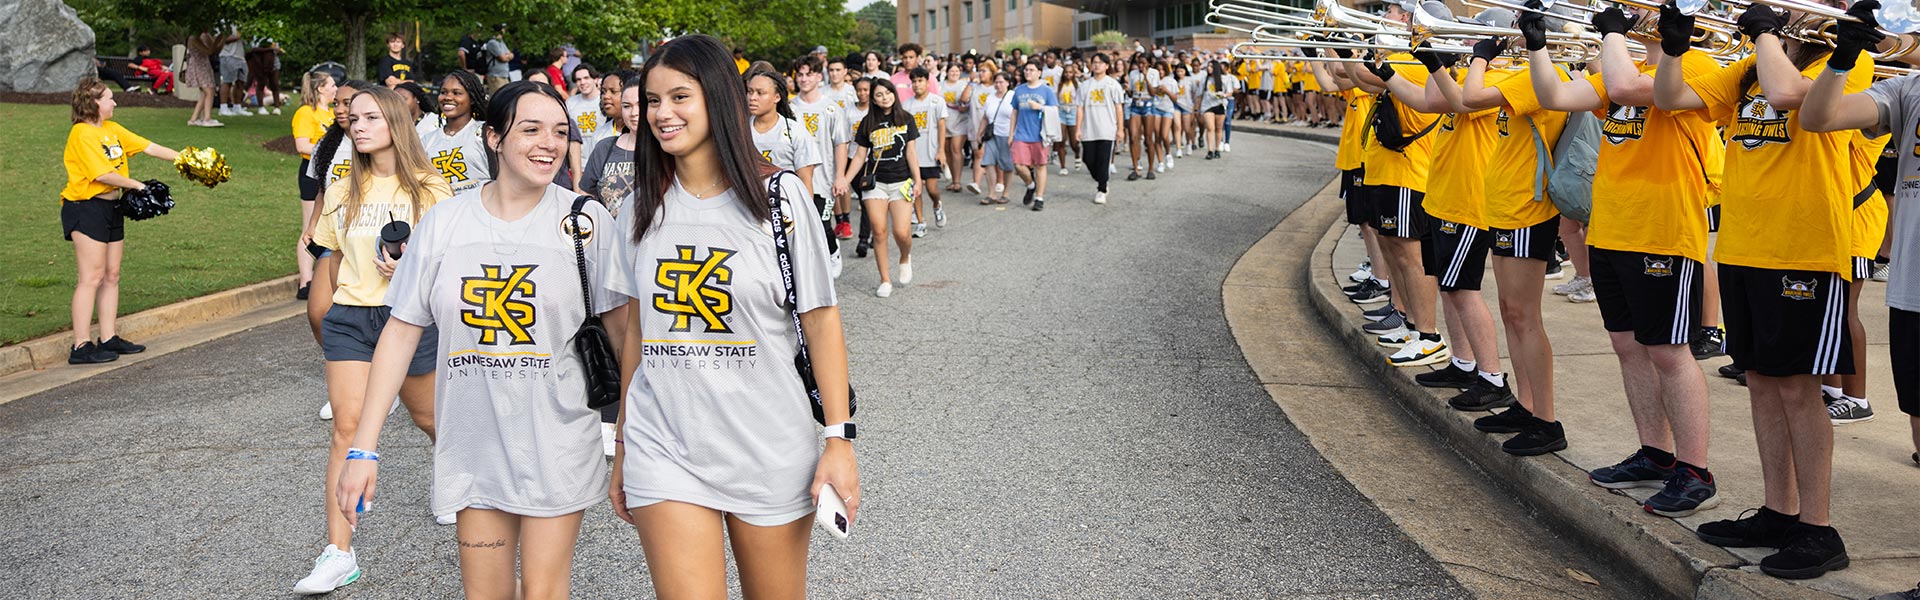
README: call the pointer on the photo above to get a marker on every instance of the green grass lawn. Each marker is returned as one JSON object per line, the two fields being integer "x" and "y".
{"x": 239, "y": 233}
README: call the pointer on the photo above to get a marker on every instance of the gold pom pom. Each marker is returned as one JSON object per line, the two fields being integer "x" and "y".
{"x": 203, "y": 165}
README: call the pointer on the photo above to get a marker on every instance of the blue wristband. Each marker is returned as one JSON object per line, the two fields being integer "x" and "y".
{"x": 358, "y": 454}
{"x": 1838, "y": 71}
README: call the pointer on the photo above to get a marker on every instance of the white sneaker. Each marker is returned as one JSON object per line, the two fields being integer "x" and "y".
{"x": 264, "y": 111}
{"x": 1162, "y": 168}
{"x": 332, "y": 570}
{"x": 212, "y": 123}
{"x": 906, "y": 273}
{"x": 226, "y": 111}
{"x": 1582, "y": 295}
{"x": 1568, "y": 287}
{"x": 1397, "y": 337}
{"x": 835, "y": 265}
{"x": 1063, "y": 170}
{"x": 1179, "y": 152}
{"x": 999, "y": 190}
{"x": 276, "y": 110}
{"x": 1363, "y": 273}
{"x": 449, "y": 519}
{"x": 1420, "y": 352}
{"x": 885, "y": 289}
{"x": 1099, "y": 197}
{"x": 326, "y": 410}
{"x": 1113, "y": 169}
{"x": 606, "y": 440}
{"x": 974, "y": 186}
{"x": 919, "y": 230}
{"x": 1225, "y": 147}
{"x": 940, "y": 217}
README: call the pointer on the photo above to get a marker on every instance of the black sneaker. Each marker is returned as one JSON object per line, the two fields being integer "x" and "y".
{"x": 1731, "y": 371}
{"x": 1482, "y": 395}
{"x": 1710, "y": 343}
{"x": 1349, "y": 290}
{"x": 1636, "y": 471}
{"x": 1134, "y": 176}
{"x": 119, "y": 345}
{"x": 1539, "y": 440}
{"x": 1362, "y": 287}
{"x": 1372, "y": 294}
{"x": 1811, "y": 551}
{"x": 1028, "y": 199}
{"x": 1764, "y": 529}
{"x": 1741, "y": 378}
{"x": 860, "y": 251}
{"x": 301, "y": 294}
{"x": 1685, "y": 493}
{"x": 1451, "y": 376}
{"x": 1913, "y": 594}
{"x": 1039, "y": 204}
{"x": 1376, "y": 314}
{"x": 90, "y": 354}
{"x": 1514, "y": 419}
{"x": 1395, "y": 321}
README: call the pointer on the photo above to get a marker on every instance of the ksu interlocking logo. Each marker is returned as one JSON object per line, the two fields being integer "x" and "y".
{"x": 499, "y": 303}
{"x": 1799, "y": 290}
{"x": 1759, "y": 123}
{"x": 1097, "y": 96}
{"x": 340, "y": 170}
{"x": 698, "y": 288}
{"x": 813, "y": 122}
{"x": 920, "y": 120}
{"x": 452, "y": 164}
{"x": 589, "y": 121}
{"x": 1503, "y": 240}
{"x": 1658, "y": 267}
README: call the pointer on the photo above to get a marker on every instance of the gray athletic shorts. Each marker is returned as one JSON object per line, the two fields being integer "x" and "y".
{"x": 348, "y": 333}
{"x": 999, "y": 153}
{"x": 233, "y": 69}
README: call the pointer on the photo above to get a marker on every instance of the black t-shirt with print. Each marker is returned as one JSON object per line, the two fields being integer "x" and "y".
{"x": 392, "y": 67}
{"x": 888, "y": 146}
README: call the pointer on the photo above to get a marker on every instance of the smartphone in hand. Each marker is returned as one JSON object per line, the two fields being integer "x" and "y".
{"x": 831, "y": 513}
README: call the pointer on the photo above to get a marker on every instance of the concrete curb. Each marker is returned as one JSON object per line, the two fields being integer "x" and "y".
{"x": 1288, "y": 132}
{"x": 1661, "y": 550}
{"x": 44, "y": 352}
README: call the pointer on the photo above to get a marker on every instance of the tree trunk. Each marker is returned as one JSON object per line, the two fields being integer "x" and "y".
{"x": 356, "y": 46}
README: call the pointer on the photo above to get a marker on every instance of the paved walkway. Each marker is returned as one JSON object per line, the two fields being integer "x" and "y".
{"x": 1055, "y": 408}
{"x": 1874, "y": 478}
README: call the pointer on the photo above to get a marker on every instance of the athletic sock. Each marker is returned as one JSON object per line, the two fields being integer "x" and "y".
{"x": 1464, "y": 365}
{"x": 1830, "y": 391}
{"x": 1497, "y": 379}
{"x": 1431, "y": 337}
{"x": 1658, "y": 456}
{"x": 1702, "y": 472}
{"x": 1860, "y": 401}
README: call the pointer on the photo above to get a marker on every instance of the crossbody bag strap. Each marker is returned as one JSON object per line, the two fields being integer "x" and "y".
{"x": 784, "y": 255}
{"x": 580, "y": 253}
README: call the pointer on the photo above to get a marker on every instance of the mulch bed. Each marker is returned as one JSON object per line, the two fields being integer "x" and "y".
{"x": 282, "y": 144}
{"x": 119, "y": 97}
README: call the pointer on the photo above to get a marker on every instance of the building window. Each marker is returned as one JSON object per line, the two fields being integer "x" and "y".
{"x": 969, "y": 11}
{"x": 933, "y": 20}
{"x": 1013, "y": 5}
{"x": 916, "y": 23}
{"x": 986, "y": 9}
{"x": 944, "y": 17}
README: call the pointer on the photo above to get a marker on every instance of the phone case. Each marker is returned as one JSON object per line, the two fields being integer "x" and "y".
{"x": 831, "y": 513}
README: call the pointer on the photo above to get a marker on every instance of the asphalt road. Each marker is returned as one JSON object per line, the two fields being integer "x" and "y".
{"x": 1054, "y": 409}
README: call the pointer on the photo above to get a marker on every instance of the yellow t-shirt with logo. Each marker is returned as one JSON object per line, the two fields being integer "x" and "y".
{"x": 1650, "y": 186}
{"x": 1511, "y": 202}
{"x": 311, "y": 123}
{"x": 1786, "y": 201}
{"x": 1282, "y": 77}
{"x": 1456, "y": 184}
{"x": 1408, "y": 167}
{"x": 1359, "y": 105}
{"x": 1308, "y": 82}
{"x": 1870, "y": 218}
{"x": 95, "y": 150}
{"x": 358, "y": 243}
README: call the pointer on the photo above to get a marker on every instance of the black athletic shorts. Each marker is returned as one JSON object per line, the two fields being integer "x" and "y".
{"x": 1534, "y": 242}
{"x": 1782, "y": 323}
{"x": 309, "y": 187}
{"x": 1359, "y": 209}
{"x": 1713, "y": 218}
{"x": 929, "y": 173}
{"x": 1456, "y": 255}
{"x": 1397, "y": 211}
{"x": 1218, "y": 109}
{"x": 98, "y": 218}
{"x": 1296, "y": 88}
{"x": 1654, "y": 296}
{"x": 1862, "y": 268}
{"x": 1903, "y": 348}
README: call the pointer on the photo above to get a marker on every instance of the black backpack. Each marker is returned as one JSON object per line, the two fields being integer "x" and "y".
{"x": 1387, "y": 128}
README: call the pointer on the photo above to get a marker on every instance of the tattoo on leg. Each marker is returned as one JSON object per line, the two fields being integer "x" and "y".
{"x": 493, "y": 544}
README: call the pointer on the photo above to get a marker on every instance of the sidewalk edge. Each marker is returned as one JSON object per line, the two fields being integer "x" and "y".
{"x": 51, "y": 350}
{"x": 1662, "y": 551}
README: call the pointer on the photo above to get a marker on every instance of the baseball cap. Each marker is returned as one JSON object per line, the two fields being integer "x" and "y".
{"x": 1494, "y": 17}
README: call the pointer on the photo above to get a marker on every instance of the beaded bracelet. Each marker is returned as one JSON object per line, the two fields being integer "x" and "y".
{"x": 358, "y": 454}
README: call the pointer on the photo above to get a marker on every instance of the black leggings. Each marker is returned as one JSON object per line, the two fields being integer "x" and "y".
{"x": 1098, "y": 154}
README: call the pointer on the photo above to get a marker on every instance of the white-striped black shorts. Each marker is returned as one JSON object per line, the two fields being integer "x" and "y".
{"x": 1782, "y": 323}
{"x": 1657, "y": 297}
{"x": 1456, "y": 255}
{"x": 1397, "y": 211}
{"x": 1534, "y": 242}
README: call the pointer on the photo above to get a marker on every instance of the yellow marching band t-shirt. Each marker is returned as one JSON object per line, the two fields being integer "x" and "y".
{"x": 358, "y": 243}
{"x": 1406, "y": 168}
{"x": 95, "y": 150}
{"x": 311, "y": 123}
{"x": 1462, "y": 151}
{"x": 1650, "y": 186}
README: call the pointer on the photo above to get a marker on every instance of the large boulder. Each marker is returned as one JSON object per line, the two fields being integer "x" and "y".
{"x": 47, "y": 48}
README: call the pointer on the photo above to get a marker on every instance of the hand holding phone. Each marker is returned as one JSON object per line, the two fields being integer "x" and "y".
{"x": 831, "y": 513}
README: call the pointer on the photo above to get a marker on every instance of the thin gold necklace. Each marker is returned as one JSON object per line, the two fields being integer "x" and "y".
{"x": 702, "y": 194}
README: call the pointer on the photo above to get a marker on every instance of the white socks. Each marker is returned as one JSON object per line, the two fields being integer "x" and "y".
{"x": 1497, "y": 379}
{"x": 1464, "y": 365}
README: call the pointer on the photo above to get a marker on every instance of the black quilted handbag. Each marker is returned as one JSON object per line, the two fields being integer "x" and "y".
{"x": 597, "y": 361}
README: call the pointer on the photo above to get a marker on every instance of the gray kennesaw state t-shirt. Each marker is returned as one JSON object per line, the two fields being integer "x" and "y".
{"x": 609, "y": 174}
{"x": 587, "y": 120}
{"x": 1899, "y": 103}
{"x": 826, "y": 121}
{"x": 460, "y": 156}
{"x": 788, "y": 145}
{"x": 927, "y": 115}
{"x": 1097, "y": 99}
{"x": 716, "y": 415}
{"x": 510, "y": 406}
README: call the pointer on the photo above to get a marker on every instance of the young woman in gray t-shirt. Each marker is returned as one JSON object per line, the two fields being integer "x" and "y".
{"x": 718, "y": 442}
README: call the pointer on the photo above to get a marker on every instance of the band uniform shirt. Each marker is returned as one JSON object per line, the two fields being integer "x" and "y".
{"x": 1456, "y": 183}
{"x": 461, "y": 156}
{"x": 1650, "y": 184}
{"x": 1353, "y": 128}
{"x": 1407, "y": 168}
{"x": 357, "y": 244}
{"x": 95, "y": 150}
{"x": 1511, "y": 201}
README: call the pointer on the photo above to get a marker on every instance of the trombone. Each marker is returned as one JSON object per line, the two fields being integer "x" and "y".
{"x": 1569, "y": 46}
{"x": 1813, "y": 22}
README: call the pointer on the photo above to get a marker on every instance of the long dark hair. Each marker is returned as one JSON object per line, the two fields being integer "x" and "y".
{"x": 895, "y": 115}
{"x": 710, "y": 65}
{"x": 476, "y": 94}
{"x": 780, "y": 106}
{"x": 502, "y": 108}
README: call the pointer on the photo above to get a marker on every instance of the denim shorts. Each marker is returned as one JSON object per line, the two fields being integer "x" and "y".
{"x": 348, "y": 333}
